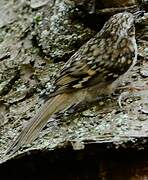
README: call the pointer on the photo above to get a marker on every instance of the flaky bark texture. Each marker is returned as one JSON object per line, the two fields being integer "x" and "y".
{"x": 33, "y": 36}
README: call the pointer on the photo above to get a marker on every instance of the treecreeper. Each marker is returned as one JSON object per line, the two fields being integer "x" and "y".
{"x": 91, "y": 72}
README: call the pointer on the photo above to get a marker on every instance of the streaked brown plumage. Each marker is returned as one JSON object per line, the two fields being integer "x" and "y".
{"x": 89, "y": 73}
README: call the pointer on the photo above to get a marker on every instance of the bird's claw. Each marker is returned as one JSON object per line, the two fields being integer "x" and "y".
{"x": 130, "y": 92}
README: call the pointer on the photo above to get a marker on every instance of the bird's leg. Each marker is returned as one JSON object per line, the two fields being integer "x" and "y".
{"x": 131, "y": 91}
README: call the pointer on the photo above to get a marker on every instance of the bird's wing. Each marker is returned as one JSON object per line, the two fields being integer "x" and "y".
{"x": 93, "y": 63}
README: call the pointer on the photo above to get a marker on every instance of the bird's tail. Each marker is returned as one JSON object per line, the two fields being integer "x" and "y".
{"x": 31, "y": 131}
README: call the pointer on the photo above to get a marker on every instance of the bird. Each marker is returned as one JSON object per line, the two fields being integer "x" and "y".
{"x": 92, "y": 71}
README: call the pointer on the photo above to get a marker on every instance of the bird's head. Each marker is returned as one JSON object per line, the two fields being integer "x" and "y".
{"x": 121, "y": 24}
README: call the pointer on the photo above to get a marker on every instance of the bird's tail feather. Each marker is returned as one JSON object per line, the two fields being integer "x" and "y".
{"x": 38, "y": 122}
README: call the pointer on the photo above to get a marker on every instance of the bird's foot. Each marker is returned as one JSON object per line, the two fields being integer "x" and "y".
{"x": 131, "y": 91}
